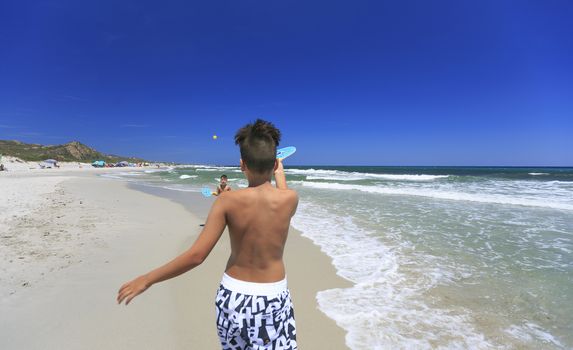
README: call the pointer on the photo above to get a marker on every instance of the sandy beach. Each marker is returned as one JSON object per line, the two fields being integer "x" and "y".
{"x": 70, "y": 238}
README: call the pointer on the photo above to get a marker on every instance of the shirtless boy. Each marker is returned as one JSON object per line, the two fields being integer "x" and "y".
{"x": 253, "y": 304}
{"x": 223, "y": 185}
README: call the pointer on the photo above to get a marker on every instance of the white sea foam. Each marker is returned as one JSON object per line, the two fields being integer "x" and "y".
{"x": 528, "y": 332}
{"x": 183, "y": 177}
{"x": 312, "y": 171}
{"x": 320, "y": 174}
{"x": 407, "y": 177}
{"x": 216, "y": 168}
{"x": 383, "y": 310}
{"x": 445, "y": 194}
{"x": 538, "y": 174}
{"x": 130, "y": 173}
{"x": 221, "y": 169}
{"x": 335, "y": 177}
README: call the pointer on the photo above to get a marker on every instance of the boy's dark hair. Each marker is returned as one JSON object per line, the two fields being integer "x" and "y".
{"x": 258, "y": 142}
{"x": 223, "y": 176}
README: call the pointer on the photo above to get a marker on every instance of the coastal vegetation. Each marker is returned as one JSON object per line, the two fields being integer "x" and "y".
{"x": 74, "y": 151}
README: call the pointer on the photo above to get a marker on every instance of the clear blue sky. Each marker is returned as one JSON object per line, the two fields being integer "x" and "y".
{"x": 348, "y": 82}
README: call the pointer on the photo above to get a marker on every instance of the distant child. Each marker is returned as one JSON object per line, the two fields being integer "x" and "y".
{"x": 223, "y": 186}
{"x": 253, "y": 304}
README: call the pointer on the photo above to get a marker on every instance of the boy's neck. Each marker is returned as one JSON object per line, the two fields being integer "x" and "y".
{"x": 258, "y": 179}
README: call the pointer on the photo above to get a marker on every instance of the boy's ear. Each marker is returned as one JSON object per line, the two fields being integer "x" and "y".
{"x": 276, "y": 164}
{"x": 242, "y": 164}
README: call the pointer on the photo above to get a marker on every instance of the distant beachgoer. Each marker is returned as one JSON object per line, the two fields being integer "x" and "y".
{"x": 1, "y": 167}
{"x": 223, "y": 185}
{"x": 253, "y": 304}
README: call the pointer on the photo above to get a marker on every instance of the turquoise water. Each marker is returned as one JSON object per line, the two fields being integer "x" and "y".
{"x": 440, "y": 257}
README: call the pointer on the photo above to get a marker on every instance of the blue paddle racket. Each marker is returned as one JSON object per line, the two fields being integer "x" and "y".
{"x": 206, "y": 191}
{"x": 285, "y": 152}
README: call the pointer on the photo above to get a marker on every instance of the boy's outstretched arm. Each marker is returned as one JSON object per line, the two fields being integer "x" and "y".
{"x": 190, "y": 259}
{"x": 280, "y": 177}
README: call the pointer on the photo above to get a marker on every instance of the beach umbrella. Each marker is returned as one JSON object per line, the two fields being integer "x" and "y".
{"x": 52, "y": 161}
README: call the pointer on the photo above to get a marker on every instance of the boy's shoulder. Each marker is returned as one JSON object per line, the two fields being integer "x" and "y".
{"x": 249, "y": 192}
{"x": 236, "y": 201}
{"x": 287, "y": 196}
{"x": 290, "y": 193}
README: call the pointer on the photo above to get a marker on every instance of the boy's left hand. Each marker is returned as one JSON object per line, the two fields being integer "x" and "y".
{"x": 132, "y": 289}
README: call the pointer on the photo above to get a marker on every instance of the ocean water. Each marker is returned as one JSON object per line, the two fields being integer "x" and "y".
{"x": 439, "y": 257}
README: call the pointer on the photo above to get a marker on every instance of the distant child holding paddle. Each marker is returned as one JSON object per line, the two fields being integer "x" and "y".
{"x": 253, "y": 304}
{"x": 223, "y": 186}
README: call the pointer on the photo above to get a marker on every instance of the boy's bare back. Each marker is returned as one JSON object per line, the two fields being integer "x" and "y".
{"x": 258, "y": 219}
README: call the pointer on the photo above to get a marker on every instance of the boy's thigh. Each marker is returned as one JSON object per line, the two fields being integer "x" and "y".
{"x": 274, "y": 330}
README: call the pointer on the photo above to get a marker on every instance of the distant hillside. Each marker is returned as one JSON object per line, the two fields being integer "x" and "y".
{"x": 70, "y": 152}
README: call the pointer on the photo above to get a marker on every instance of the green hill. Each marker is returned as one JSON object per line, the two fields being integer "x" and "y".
{"x": 70, "y": 152}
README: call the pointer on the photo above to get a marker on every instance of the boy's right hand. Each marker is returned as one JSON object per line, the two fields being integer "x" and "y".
{"x": 280, "y": 167}
{"x": 280, "y": 177}
{"x": 132, "y": 289}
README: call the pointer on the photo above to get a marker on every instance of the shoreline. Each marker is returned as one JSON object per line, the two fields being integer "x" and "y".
{"x": 121, "y": 232}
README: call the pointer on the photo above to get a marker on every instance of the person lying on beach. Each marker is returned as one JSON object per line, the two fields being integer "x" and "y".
{"x": 223, "y": 185}
{"x": 253, "y": 304}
